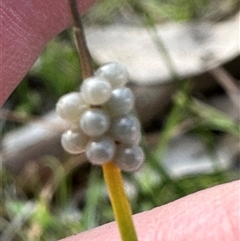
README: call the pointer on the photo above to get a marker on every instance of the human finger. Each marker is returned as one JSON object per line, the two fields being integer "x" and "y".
{"x": 26, "y": 27}
{"x": 209, "y": 215}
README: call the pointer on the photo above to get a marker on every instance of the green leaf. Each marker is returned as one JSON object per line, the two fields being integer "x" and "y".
{"x": 59, "y": 67}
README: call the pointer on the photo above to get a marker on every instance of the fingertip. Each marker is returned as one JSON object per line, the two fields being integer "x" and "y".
{"x": 27, "y": 26}
{"x": 209, "y": 215}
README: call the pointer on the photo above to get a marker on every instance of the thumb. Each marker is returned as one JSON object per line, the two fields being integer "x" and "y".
{"x": 27, "y": 26}
{"x": 209, "y": 215}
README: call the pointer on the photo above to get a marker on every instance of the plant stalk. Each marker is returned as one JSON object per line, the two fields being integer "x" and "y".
{"x": 121, "y": 208}
{"x": 112, "y": 174}
{"x": 83, "y": 52}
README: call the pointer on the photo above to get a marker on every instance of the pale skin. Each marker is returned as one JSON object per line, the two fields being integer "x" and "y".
{"x": 209, "y": 215}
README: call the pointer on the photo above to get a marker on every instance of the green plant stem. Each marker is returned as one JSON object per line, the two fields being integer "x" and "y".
{"x": 148, "y": 22}
{"x": 119, "y": 201}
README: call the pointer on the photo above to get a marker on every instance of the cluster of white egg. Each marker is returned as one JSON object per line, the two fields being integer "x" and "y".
{"x": 101, "y": 119}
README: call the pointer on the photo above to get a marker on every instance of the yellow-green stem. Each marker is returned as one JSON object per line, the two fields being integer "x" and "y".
{"x": 112, "y": 174}
{"x": 121, "y": 208}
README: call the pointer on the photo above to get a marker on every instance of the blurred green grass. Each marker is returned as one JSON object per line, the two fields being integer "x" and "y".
{"x": 51, "y": 212}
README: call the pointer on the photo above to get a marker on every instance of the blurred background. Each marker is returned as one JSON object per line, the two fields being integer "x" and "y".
{"x": 183, "y": 60}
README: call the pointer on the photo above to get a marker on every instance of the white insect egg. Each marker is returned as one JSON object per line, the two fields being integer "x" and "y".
{"x": 74, "y": 141}
{"x": 129, "y": 157}
{"x": 100, "y": 150}
{"x": 94, "y": 122}
{"x": 126, "y": 129}
{"x": 121, "y": 102}
{"x": 115, "y": 73}
{"x": 71, "y": 106}
{"x": 96, "y": 90}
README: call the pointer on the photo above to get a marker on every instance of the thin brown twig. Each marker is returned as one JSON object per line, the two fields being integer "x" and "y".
{"x": 227, "y": 82}
{"x": 9, "y": 115}
{"x": 84, "y": 55}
